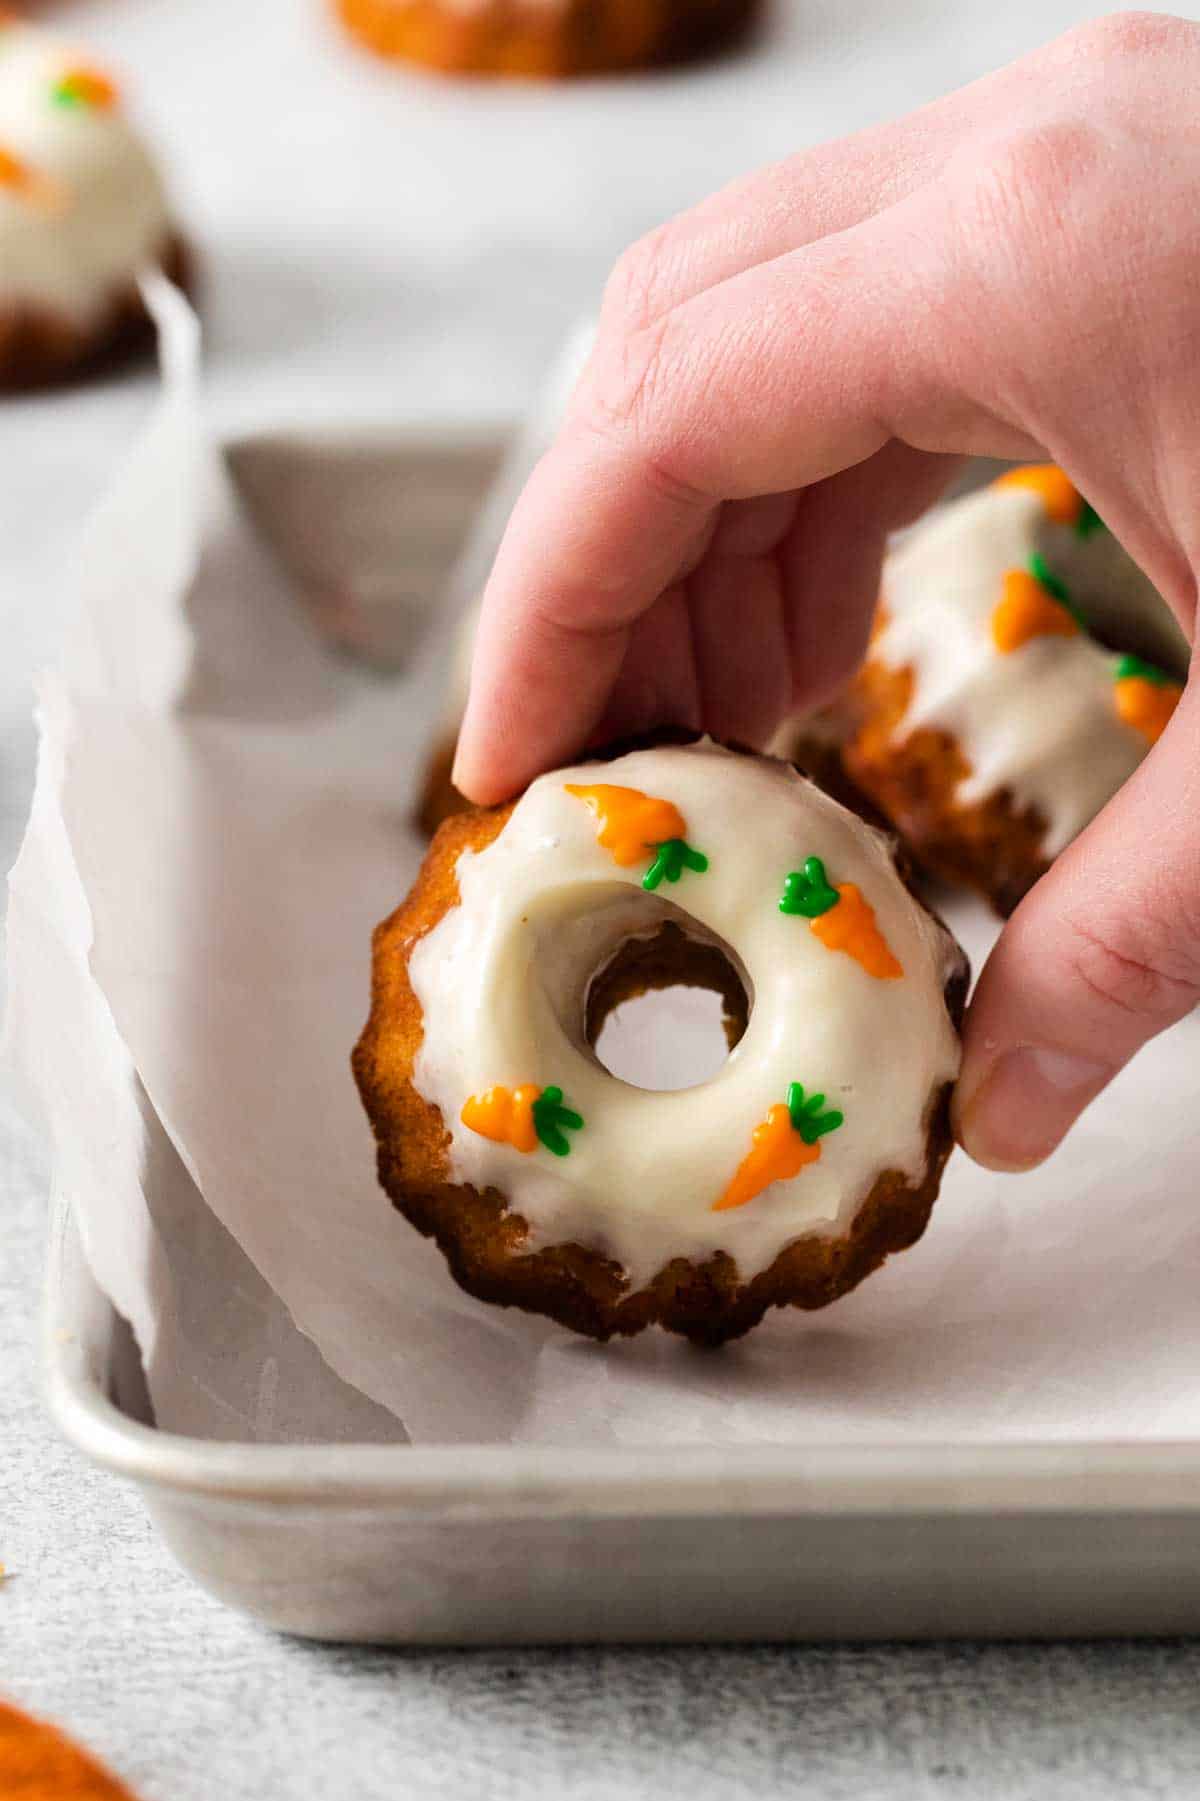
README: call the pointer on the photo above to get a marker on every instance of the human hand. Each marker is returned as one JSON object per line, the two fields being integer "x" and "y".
{"x": 782, "y": 377}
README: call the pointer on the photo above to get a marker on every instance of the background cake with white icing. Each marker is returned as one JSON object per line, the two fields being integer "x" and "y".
{"x": 83, "y": 212}
{"x": 1021, "y": 669}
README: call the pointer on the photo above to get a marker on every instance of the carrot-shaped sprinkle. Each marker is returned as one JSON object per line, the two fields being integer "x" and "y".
{"x": 523, "y": 1117}
{"x": 670, "y": 861}
{"x": 1146, "y": 697}
{"x": 850, "y": 927}
{"x": 13, "y": 172}
{"x": 781, "y": 1146}
{"x": 1057, "y": 492}
{"x": 1062, "y": 500}
{"x": 85, "y": 87}
{"x": 552, "y": 1121}
{"x": 1034, "y": 603}
{"x": 840, "y": 918}
{"x": 505, "y": 1115}
{"x": 28, "y": 183}
{"x": 631, "y": 823}
{"x": 634, "y": 826}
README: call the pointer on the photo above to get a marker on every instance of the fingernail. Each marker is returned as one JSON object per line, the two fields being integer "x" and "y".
{"x": 1024, "y": 1104}
{"x": 460, "y": 768}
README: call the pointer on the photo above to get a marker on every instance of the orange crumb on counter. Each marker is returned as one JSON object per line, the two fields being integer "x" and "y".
{"x": 39, "y": 1763}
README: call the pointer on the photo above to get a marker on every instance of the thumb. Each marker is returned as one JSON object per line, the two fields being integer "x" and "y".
{"x": 1103, "y": 954}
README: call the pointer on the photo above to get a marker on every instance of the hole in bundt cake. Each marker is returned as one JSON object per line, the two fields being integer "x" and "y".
{"x": 666, "y": 1010}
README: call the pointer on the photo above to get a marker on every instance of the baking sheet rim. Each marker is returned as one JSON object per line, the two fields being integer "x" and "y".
{"x": 1093, "y": 1477}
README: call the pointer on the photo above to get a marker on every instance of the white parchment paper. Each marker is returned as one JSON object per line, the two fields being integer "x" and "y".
{"x": 220, "y": 819}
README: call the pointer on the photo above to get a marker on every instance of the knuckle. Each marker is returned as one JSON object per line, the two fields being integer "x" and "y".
{"x": 1045, "y": 159}
{"x": 1018, "y": 192}
{"x": 1019, "y": 207}
{"x": 1144, "y": 966}
{"x": 623, "y": 384}
{"x": 632, "y": 294}
{"x": 1128, "y": 36}
{"x": 632, "y": 397}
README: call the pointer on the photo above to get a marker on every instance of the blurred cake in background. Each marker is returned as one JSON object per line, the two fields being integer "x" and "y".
{"x": 82, "y": 212}
{"x": 547, "y": 39}
{"x": 1022, "y": 668}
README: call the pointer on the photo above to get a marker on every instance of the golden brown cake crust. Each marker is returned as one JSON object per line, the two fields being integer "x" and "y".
{"x": 39, "y": 349}
{"x": 990, "y": 845}
{"x": 546, "y": 39}
{"x": 483, "y": 1239}
{"x": 818, "y": 757}
{"x": 440, "y": 799}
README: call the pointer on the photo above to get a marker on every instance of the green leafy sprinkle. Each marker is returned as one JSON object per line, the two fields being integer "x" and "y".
{"x": 1089, "y": 521}
{"x": 807, "y": 1117}
{"x": 670, "y": 860}
{"x": 1130, "y": 666}
{"x": 1056, "y": 588}
{"x": 807, "y": 891}
{"x": 552, "y": 1121}
{"x": 1052, "y": 583}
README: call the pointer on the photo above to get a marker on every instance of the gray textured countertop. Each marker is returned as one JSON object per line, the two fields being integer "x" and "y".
{"x": 455, "y": 304}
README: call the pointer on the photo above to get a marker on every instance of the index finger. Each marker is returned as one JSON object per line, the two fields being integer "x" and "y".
{"x": 776, "y": 378}
{"x": 593, "y": 541}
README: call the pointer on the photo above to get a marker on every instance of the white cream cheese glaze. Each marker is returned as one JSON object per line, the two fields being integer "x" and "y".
{"x": 502, "y": 983}
{"x": 103, "y": 215}
{"x": 1039, "y": 721}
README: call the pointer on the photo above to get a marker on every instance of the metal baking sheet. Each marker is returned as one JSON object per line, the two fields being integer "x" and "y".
{"x": 498, "y": 1545}
{"x": 470, "y": 1545}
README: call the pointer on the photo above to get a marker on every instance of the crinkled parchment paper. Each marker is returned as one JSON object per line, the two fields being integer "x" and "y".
{"x": 220, "y": 818}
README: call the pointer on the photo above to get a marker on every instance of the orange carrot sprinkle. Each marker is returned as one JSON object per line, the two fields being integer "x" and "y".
{"x": 851, "y": 927}
{"x": 505, "y": 1115}
{"x": 840, "y": 917}
{"x": 631, "y": 823}
{"x": 777, "y": 1153}
{"x": 1060, "y": 497}
{"x": 84, "y": 86}
{"x": 30, "y": 184}
{"x": 1146, "y": 705}
{"x": 1025, "y": 610}
{"x": 13, "y": 172}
